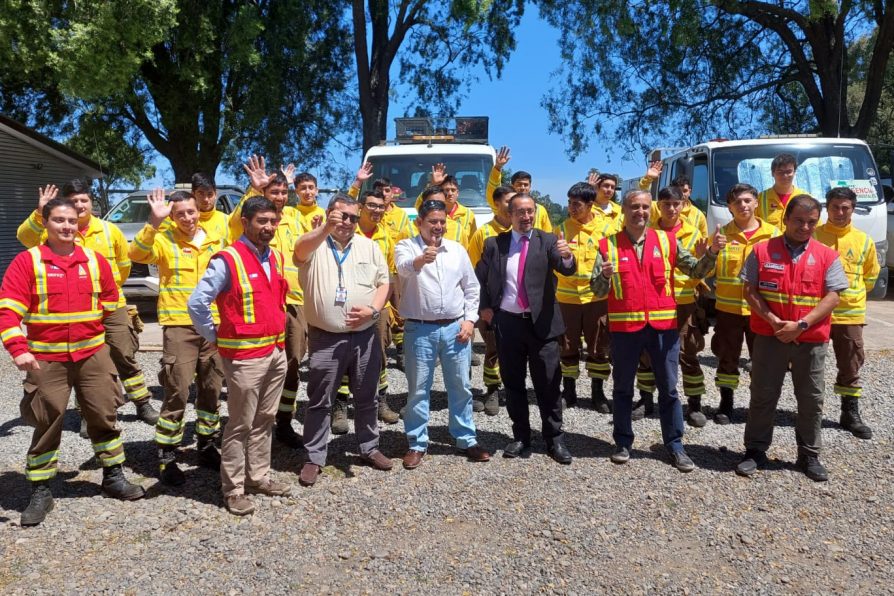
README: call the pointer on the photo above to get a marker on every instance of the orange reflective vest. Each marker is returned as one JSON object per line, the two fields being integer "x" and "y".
{"x": 253, "y": 308}
{"x": 61, "y": 300}
{"x": 791, "y": 290}
{"x": 642, "y": 290}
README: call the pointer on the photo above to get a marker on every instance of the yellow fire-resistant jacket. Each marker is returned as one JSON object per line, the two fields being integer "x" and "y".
{"x": 684, "y": 286}
{"x": 610, "y": 222}
{"x": 583, "y": 240}
{"x": 690, "y": 212}
{"x": 857, "y": 253}
{"x": 284, "y": 239}
{"x": 101, "y": 236}
{"x": 770, "y": 208}
{"x": 395, "y": 219}
{"x": 729, "y": 289}
{"x": 476, "y": 244}
{"x": 181, "y": 264}
{"x": 461, "y": 224}
{"x": 541, "y": 218}
{"x": 214, "y": 223}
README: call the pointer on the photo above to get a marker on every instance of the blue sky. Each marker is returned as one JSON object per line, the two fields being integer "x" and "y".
{"x": 516, "y": 119}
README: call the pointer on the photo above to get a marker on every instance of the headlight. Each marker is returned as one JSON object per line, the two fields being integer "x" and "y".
{"x": 881, "y": 251}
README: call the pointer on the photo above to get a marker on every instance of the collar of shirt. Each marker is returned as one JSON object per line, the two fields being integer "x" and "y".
{"x": 639, "y": 242}
{"x": 420, "y": 241}
{"x": 338, "y": 244}
{"x": 516, "y": 236}
{"x": 794, "y": 250}
{"x": 263, "y": 257}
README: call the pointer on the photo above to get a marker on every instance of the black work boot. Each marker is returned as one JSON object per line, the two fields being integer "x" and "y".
{"x": 724, "y": 413}
{"x": 168, "y": 472}
{"x": 115, "y": 485}
{"x": 83, "y": 429}
{"x": 812, "y": 467}
{"x": 492, "y": 400}
{"x": 339, "y": 423}
{"x": 209, "y": 456}
{"x": 600, "y": 402}
{"x": 694, "y": 416}
{"x": 850, "y": 418}
{"x": 284, "y": 433}
{"x": 644, "y": 407}
{"x": 569, "y": 391}
{"x": 41, "y": 503}
{"x": 399, "y": 356}
{"x": 146, "y": 412}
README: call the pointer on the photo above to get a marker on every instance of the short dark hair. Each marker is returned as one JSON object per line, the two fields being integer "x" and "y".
{"x": 305, "y": 177}
{"x": 681, "y": 181}
{"x": 372, "y": 193}
{"x": 520, "y": 175}
{"x": 783, "y": 159}
{"x": 841, "y": 193}
{"x": 670, "y": 193}
{"x": 380, "y": 183}
{"x": 180, "y": 195}
{"x": 740, "y": 189}
{"x": 200, "y": 180}
{"x": 78, "y": 186}
{"x": 431, "y": 205}
{"x": 56, "y": 202}
{"x": 803, "y": 201}
{"x": 277, "y": 179}
{"x": 502, "y": 191}
{"x": 256, "y": 204}
{"x": 450, "y": 179}
{"x": 582, "y": 192}
{"x": 431, "y": 191}
{"x": 341, "y": 198}
{"x": 603, "y": 177}
{"x": 520, "y": 195}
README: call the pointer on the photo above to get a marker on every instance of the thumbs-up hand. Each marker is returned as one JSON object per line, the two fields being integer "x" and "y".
{"x": 718, "y": 242}
{"x": 562, "y": 246}
{"x": 316, "y": 222}
{"x": 607, "y": 268}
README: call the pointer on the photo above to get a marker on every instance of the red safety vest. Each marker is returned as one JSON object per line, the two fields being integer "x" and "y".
{"x": 791, "y": 290}
{"x": 61, "y": 301}
{"x": 253, "y": 308}
{"x": 642, "y": 292}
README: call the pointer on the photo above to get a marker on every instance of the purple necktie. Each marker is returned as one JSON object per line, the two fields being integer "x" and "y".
{"x": 522, "y": 299}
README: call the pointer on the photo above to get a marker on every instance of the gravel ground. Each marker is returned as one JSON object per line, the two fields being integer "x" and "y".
{"x": 507, "y": 526}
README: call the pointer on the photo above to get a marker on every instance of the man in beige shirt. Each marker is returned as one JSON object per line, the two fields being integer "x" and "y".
{"x": 345, "y": 281}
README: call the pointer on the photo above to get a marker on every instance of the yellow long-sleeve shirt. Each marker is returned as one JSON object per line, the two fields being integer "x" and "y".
{"x": 690, "y": 212}
{"x": 610, "y": 221}
{"x": 770, "y": 207}
{"x": 181, "y": 264}
{"x": 684, "y": 286}
{"x": 583, "y": 240}
{"x": 856, "y": 250}
{"x": 215, "y": 224}
{"x": 541, "y": 218}
{"x": 461, "y": 224}
{"x": 476, "y": 244}
{"x": 395, "y": 219}
{"x": 101, "y": 236}
{"x": 729, "y": 290}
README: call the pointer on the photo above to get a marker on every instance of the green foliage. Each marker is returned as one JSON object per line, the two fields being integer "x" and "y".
{"x": 650, "y": 73}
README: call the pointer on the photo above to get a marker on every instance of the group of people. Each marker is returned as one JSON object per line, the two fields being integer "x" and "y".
{"x": 243, "y": 298}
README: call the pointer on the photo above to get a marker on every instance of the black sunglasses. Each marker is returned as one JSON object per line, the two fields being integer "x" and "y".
{"x": 349, "y": 217}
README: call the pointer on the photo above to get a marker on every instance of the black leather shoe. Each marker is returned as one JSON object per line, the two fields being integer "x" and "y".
{"x": 812, "y": 467}
{"x": 559, "y": 452}
{"x": 751, "y": 462}
{"x": 517, "y": 449}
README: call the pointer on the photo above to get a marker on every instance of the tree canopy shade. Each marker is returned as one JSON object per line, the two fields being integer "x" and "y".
{"x": 677, "y": 71}
{"x": 437, "y": 45}
{"x": 195, "y": 79}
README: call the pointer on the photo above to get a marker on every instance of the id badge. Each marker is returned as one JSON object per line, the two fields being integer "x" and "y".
{"x": 341, "y": 296}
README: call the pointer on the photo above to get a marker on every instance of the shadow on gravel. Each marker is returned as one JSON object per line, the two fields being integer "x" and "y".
{"x": 142, "y": 459}
{"x": 17, "y": 490}
{"x": 6, "y": 427}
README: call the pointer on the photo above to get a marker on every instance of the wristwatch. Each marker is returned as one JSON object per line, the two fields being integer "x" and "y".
{"x": 802, "y": 325}
{"x": 376, "y": 313}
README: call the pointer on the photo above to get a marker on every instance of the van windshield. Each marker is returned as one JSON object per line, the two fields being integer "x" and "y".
{"x": 820, "y": 166}
{"x": 133, "y": 209}
{"x": 411, "y": 174}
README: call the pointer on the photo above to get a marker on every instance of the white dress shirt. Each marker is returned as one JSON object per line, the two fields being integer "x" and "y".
{"x": 444, "y": 289}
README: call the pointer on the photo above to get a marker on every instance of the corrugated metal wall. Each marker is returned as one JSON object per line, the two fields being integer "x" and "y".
{"x": 23, "y": 168}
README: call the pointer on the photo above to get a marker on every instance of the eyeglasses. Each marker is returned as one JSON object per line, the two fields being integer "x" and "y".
{"x": 374, "y": 206}
{"x": 349, "y": 217}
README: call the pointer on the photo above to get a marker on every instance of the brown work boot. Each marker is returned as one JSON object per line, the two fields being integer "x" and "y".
{"x": 239, "y": 505}
{"x": 269, "y": 488}
{"x": 339, "y": 423}
{"x": 386, "y": 414}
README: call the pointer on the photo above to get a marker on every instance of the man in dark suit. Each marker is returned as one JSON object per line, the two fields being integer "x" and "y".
{"x": 518, "y": 298}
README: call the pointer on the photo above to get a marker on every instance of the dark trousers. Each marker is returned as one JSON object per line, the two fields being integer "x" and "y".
{"x": 518, "y": 349}
{"x": 663, "y": 348}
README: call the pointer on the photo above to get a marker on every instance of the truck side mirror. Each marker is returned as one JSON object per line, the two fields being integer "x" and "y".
{"x": 889, "y": 193}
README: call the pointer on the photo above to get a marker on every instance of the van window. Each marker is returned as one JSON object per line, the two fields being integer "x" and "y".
{"x": 700, "y": 188}
{"x": 411, "y": 175}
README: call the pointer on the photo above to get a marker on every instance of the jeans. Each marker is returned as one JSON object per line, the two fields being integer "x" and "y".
{"x": 424, "y": 345}
{"x": 663, "y": 348}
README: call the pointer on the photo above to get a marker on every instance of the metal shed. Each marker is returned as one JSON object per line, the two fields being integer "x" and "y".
{"x": 28, "y": 159}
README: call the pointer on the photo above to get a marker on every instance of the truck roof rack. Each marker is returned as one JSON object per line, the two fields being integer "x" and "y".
{"x": 454, "y": 129}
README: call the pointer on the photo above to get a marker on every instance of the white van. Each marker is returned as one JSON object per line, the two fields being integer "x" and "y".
{"x": 714, "y": 167}
{"x": 459, "y": 143}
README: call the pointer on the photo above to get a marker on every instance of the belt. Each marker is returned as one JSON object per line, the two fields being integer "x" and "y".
{"x": 517, "y": 315}
{"x": 434, "y": 321}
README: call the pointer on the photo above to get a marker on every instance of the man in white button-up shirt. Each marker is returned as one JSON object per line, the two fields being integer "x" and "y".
{"x": 439, "y": 301}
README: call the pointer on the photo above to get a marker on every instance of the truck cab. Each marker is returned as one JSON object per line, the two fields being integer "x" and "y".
{"x": 460, "y": 143}
{"x": 715, "y": 166}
